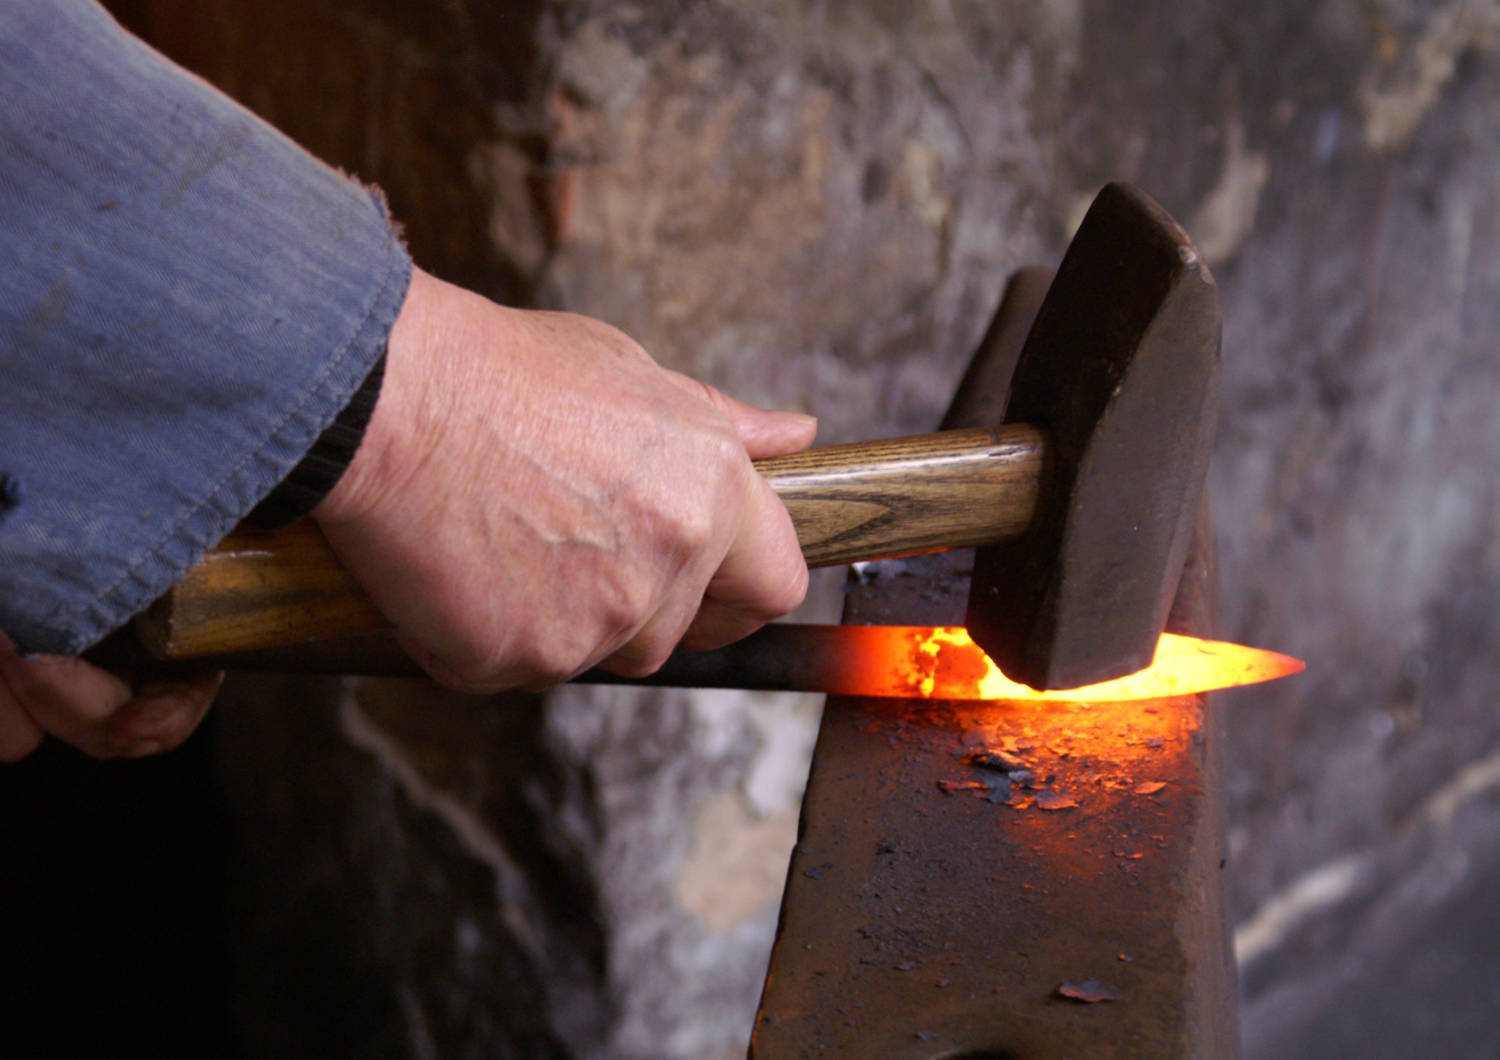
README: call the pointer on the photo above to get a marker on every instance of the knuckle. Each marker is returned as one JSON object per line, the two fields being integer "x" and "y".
{"x": 728, "y": 450}
{"x": 462, "y": 670}
{"x": 533, "y": 655}
{"x": 701, "y": 519}
{"x": 625, "y": 599}
{"x": 640, "y": 660}
{"x": 474, "y": 675}
{"x": 638, "y": 668}
{"x": 553, "y": 667}
{"x": 551, "y": 658}
{"x": 791, "y": 592}
{"x": 711, "y": 394}
{"x": 775, "y": 595}
{"x": 695, "y": 530}
{"x": 609, "y": 337}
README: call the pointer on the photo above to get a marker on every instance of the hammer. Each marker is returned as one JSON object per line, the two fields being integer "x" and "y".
{"x": 1080, "y": 504}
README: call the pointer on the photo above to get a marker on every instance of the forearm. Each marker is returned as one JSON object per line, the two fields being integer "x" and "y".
{"x": 187, "y": 300}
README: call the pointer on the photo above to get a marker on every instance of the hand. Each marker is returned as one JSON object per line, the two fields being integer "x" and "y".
{"x": 93, "y": 709}
{"x": 536, "y": 496}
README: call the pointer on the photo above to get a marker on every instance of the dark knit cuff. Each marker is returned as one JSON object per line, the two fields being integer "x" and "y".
{"x": 325, "y": 463}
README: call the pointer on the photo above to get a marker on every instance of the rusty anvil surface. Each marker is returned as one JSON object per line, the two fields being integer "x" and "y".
{"x": 935, "y": 906}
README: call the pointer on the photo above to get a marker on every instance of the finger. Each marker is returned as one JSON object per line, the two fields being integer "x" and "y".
{"x": 763, "y": 576}
{"x": 717, "y": 624}
{"x": 19, "y": 732}
{"x": 474, "y": 681}
{"x": 20, "y": 735}
{"x": 99, "y": 714}
{"x": 649, "y": 647}
{"x": 161, "y": 715}
{"x": 743, "y": 595}
{"x": 435, "y": 667}
{"x": 762, "y": 432}
{"x": 69, "y": 698}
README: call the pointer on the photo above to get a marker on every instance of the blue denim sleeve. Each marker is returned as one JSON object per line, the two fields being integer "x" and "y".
{"x": 187, "y": 299}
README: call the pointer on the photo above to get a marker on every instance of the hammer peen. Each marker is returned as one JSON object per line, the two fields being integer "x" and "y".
{"x": 1080, "y": 503}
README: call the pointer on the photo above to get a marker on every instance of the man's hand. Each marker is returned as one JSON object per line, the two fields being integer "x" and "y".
{"x": 536, "y": 496}
{"x": 92, "y": 709}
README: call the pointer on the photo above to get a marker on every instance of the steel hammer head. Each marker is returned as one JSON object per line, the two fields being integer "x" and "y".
{"x": 1120, "y": 370}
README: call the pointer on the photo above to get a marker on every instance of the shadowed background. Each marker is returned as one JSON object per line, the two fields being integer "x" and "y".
{"x": 814, "y": 206}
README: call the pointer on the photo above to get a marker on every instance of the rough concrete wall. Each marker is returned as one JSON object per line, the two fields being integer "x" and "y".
{"x": 1360, "y": 451}
{"x": 814, "y": 205}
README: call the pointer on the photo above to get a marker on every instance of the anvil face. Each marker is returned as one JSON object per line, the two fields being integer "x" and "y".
{"x": 969, "y": 876}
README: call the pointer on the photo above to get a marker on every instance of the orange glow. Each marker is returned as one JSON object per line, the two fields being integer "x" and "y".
{"x": 943, "y": 663}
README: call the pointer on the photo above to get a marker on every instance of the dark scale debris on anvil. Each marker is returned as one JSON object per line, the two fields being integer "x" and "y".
{"x": 1089, "y": 991}
{"x": 1005, "y": 778}
{"x": 998, "y": 761}
{"x": 1054, "y": 800}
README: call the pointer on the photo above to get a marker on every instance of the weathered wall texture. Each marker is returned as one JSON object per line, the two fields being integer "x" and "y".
{"x": 1361, "y": 460}
{"x": 814, "y": 205}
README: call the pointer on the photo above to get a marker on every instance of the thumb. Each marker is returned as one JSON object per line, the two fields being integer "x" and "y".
{"x": 763, "y": 432}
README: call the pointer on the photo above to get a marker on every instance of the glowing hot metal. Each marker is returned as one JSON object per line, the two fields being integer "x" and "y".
{"x": 941, "y": 662}
{"x": 951, "y": 666}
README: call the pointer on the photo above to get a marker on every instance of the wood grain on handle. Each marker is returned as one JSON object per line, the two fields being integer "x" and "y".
{"x": 257, "y": 589}
{"x": 869, "y": 500}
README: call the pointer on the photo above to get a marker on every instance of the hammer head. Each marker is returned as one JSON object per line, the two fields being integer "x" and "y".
{"x": 1120, "y": 370}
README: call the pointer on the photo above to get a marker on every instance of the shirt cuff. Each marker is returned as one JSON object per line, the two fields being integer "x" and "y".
{"x": 325, "y": 463}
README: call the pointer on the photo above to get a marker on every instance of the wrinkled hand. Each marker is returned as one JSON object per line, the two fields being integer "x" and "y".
{"x": 92, "y": 709}
{"x": 536, "y": 496}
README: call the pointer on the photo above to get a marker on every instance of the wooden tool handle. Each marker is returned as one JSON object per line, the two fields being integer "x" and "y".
{"x": 869, "y": 500}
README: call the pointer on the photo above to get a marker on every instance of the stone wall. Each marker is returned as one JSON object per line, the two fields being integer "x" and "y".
{"x": 814, "y": 205}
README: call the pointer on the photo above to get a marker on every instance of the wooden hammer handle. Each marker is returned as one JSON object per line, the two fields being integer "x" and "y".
{"x": 925, "y": 493}
{"x": 868, "y": 500}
